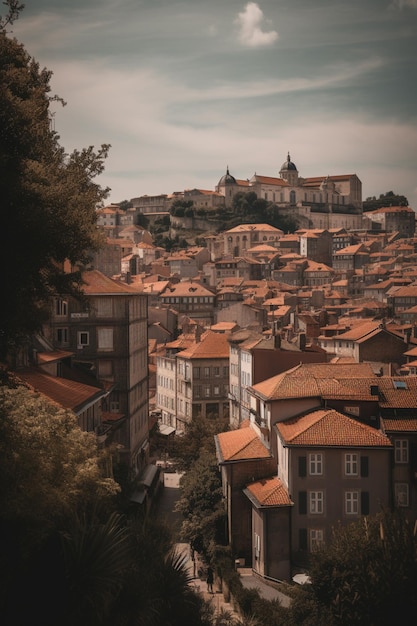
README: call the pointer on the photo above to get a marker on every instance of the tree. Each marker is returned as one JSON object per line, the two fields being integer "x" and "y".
{"x": 51, "y": 482}
{"x": 367, "y": 574}
{"x": 48, "y": 197}
{"x": 201, "y": 504}
{"x": 385, "y": 200}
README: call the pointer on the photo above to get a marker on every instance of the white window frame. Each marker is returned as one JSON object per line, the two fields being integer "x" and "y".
{"x": 61, "y": 307}
{"x": 83, "y": 338}
{"x": 316, "y": 502}
{"x": 315, "y": 464}
{"x": 257, "y": 543}
{"x": 316, "y": 538}
{"x": 351, "y": 464}
{"x": 352, "y": 502}
{"x": 401, "y": 450}
{"x": 105, "y": 339}
{"x": 401, "y": 491}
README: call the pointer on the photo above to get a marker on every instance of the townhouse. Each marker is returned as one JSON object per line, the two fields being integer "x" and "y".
{"x": 190, "y": 297}
{"x": 336, "y": 442}
{"x": 193, "y": 377}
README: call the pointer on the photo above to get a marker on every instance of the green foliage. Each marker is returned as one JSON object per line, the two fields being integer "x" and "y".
{"x": 385, "y": 200}
{"x": 142, "y": 220}
{"x": 48, "y": 197}
{"x": 49, "y": 467}
{"x": 201, "y": 503}
{"x": 125, "y": 204}
{"x": 367, "y": 574}
{"x": 198, "y": 438}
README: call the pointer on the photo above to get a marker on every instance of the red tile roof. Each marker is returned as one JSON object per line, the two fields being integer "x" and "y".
{"x": 97, "y": 283}
{"x": 303, "y": 380}
{"x": 212, "y": 345}
{"x": 69, "y": 394}
{"x": 239, "y": 445}
{"x": 327, "y": 427}
{"x": 400, "y": 425}
{"x": 268, "y": 492}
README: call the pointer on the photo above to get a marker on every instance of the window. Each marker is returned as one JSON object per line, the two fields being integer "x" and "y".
{"x": 316, "y": 539}
{"x": 207, "y": 372}
{"x": 61, "y": 307}
{"x": 316, "y": 502}
{"x": 401, "y": 450}
{"x": 196, "y": 372}
{"x": 316, "y": 464}
{"x": 351, "y": 464}
{"x": 216, "y": 371}
{"x": 207, "y": 391}
{"x": 257, "y": 546}
{"x": 105, "y": 338}
{"x": 351, "y": 502}
{"x": 62, "y": 335}
{"x": 216, "y": 390}
{"x": 83, "y": 338}
{"x": 401, "y": 494}
{"x": 104, "y": 307}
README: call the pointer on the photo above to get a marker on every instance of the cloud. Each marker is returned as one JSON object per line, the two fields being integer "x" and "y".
{"x": 250, "y": 28}
{"x": 405, "y": 3}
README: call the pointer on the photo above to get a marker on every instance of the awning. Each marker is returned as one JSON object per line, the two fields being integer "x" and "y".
{"x": 166, "y": 430}
{"x": 148, "y": 475}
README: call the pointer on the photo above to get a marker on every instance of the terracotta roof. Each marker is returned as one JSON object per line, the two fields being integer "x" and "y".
{"x": 302, "y": 380}
{"x": 186, "y": 288}
{"x": 241, "y": 444}
{"x": 400, "y": 425}
{"x": 270, "y": 180}
{"x": 268, "y": 492}
{"x": 254, "y": 227}
{"x": 56, "y": 355}
{"x": 97, "y": 283}
{"x": 212, "y": 345}
{"x": 69, "y": 394}
{"x": 329, "y": 428}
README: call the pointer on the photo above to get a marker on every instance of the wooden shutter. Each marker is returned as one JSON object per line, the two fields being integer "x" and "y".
{"x": 365, "y": 502}
{"x": 302, "y": 538}
{"x": 364, "y": 466}
{"x": 302, "y": 502}
{"x": 302, "y": 466}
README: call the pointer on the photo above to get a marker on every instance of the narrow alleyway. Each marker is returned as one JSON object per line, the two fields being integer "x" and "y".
{"x": 165, "y": 510}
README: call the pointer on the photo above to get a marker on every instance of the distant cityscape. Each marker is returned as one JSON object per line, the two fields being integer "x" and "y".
{"x": 305, "y": 342}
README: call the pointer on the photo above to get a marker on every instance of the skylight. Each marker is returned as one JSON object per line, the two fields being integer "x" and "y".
{"x": 399, "y": 384}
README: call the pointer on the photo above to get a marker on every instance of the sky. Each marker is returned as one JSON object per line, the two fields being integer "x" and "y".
{"x": 183, "y": 90}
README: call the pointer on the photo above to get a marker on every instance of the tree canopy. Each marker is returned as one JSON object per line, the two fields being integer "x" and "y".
{"x": 49, "y": 197}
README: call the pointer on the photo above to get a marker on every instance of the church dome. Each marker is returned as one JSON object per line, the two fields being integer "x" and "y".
{"x": 288, "y": 165}
{"x": 227, "y": 179}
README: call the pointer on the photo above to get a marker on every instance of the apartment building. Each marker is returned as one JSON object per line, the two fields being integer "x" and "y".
{"x": 193, "y": 378}
{"x": 107, "y": 333}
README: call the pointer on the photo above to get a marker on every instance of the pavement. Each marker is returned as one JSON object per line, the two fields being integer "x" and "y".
{"x": 168, "y": 497}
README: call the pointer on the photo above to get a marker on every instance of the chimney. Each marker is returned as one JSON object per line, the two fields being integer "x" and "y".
{"x": 197, "y": 333}
{"x": 277, "y": 342}
{"x": 302, "y": 340}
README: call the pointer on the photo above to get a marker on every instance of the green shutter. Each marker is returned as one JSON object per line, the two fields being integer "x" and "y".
{"x": 302, "y": 538}
{"x": 302, "y": 466}
{"x": 365, "y": 502}
{"x": 302, "y": 502}
{"x": 364, "y": 466}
